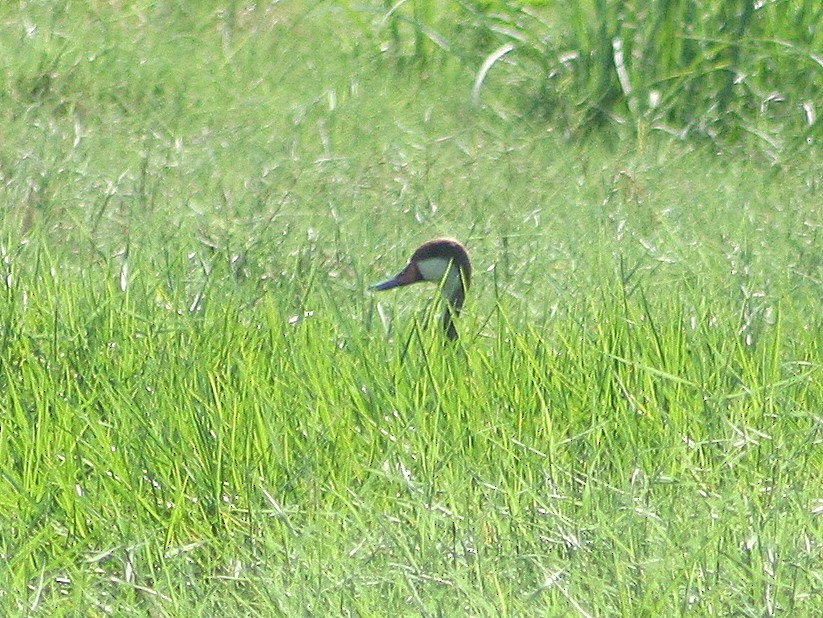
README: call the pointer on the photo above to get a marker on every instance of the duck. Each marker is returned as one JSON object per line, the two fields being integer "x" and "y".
{"x": 444, "y": 261}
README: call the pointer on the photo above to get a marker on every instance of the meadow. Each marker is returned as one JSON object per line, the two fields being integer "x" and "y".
{"x": 205, "y": 411}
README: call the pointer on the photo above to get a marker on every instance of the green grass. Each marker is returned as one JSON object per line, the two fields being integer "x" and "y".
{"x": 205, "y": 411}
{"x": 729, "y": 73}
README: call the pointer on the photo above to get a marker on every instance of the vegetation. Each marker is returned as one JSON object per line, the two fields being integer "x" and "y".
{"x": 718, "y": 71}
{"x": 205, "y": 411}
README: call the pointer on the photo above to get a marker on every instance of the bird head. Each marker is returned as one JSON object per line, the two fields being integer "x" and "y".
{"x": 443, "y": 261}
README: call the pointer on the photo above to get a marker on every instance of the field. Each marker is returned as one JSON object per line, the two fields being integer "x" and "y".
{"x": 204, "y": 410}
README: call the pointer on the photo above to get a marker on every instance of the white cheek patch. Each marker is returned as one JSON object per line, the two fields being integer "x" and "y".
{"x": 434, "y": 269}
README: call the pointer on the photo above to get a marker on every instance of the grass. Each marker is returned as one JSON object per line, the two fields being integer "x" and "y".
{"x": 206, "y": 411}
{"x": 729, "y": 73}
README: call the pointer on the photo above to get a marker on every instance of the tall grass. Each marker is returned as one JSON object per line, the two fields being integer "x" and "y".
{"x": 724, "y": 71}
{"x": 204, "y": 410}
{"x": 635, "y": 455}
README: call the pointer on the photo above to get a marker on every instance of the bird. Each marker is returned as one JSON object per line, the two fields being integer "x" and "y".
{"x": 443, "y": 261}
